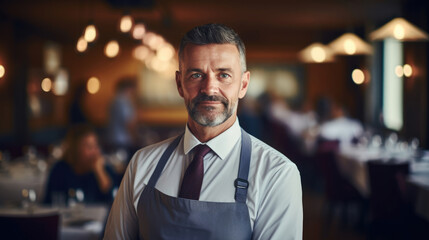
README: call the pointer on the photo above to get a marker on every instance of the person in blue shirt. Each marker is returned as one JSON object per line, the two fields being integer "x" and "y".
{"x": 83, "y": 167}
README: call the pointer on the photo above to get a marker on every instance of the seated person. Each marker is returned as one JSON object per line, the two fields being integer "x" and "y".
{"x": 83, "y": 167}
{"x": 340, "y": 127}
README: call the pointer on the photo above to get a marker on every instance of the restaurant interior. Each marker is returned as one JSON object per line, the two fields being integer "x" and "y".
{"x": 340, "y": 87}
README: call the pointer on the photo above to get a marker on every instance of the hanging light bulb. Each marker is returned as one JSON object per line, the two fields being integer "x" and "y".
{"x": 399, "y": 31}
{"x": 349, "y": 47}
{"x": 126, "y": 23}
{"x": 81, "y": 44}
{"x": 112, "y": 49}
{"x": 318, "y": 54}
{"x": 90, "y": 33}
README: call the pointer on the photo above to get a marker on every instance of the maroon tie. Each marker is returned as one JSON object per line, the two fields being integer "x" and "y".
{"x": 193, "y": 179}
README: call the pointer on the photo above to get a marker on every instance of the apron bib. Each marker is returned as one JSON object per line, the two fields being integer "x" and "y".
{"x": 165, "y": 217}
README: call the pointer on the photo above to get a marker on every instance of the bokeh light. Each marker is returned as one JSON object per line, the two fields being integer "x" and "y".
{"x": 399, "y": 32}
{"x": 139, "y": 31}
{"x": 358, "y": 76}
{"x": 408, "y": 70}
{"x": 399, "y": 71}
{"x": 81, "y": 45}
{"x": 112, "y": 49}
{"x": 46, "y": 84}
{"x": 93, "y": 85}
{"x": 126, "y": 23}
{"x": 90, "y": 33}
{"x": 349, "y": 47}
{"x": 318, "y": 54}
{"x": 2, "y": 71}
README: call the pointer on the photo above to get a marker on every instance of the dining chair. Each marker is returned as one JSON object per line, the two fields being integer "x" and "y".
{"x": 389, "y": 209}
{"x": 34, "y": 226}
{"x": 338, "y": 191}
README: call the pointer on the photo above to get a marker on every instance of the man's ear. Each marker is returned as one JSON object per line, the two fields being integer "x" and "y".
{"x": 179, "y": 83}
{"x": 245, "y": 79}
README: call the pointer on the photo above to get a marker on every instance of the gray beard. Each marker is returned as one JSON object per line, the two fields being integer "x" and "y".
{"x": 210, "y": 119}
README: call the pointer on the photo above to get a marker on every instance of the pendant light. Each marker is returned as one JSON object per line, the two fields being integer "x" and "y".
{"x": 399, "y": 29}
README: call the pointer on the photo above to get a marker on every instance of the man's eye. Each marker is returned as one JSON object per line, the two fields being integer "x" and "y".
{"x": 196, "y": 75}
{"x": 224, "y": 75}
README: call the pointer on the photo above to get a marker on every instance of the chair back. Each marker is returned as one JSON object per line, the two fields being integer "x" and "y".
{"x": 387, "y": 182}
{"x": 326, "y": 162}
{"x": 20, "y": 227}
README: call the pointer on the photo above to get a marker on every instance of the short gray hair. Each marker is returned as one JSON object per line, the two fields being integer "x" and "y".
{"x": 213, "y": 33}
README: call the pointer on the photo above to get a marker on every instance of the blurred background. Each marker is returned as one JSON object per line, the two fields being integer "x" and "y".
{"x": 337, "y": 86}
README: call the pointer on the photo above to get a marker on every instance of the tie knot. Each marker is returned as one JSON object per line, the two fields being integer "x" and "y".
{"x": 201, "y": 150}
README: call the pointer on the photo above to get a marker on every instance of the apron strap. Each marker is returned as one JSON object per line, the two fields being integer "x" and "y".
{"x": 241, "y": 184}
{"x": 164, "y": 158}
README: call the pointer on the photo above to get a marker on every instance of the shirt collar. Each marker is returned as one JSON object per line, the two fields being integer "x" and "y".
{"x": 222, "y": 144}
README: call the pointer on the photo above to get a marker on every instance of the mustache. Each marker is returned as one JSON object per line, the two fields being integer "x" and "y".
{"x": 204, "y": 97}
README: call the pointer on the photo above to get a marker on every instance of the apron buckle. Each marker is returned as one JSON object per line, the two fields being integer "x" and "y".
{"x": 241, "y": 183}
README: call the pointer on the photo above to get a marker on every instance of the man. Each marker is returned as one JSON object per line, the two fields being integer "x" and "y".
{"x": 248, "y": 191}
{"x": 122, "y": 126}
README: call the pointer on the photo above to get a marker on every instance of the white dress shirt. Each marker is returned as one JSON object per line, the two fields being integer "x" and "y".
{"x": 274, "y": 197}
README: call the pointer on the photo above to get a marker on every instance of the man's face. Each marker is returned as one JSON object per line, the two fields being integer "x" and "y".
{"x": 211, "y": 82}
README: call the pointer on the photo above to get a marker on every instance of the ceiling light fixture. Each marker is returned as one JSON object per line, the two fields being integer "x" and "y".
{"x": 350, "y": 44}
{"x": 401, "y": 30}
{"x": 316, "y": 53}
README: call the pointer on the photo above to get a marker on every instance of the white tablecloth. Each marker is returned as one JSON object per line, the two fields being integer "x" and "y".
{"x": 19, "y": 176}
{"x": 352, "y": 163}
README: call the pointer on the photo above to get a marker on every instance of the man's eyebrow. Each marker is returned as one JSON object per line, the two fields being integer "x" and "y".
{"x": 224, "y": 69}
{"x": 193, "y": 70}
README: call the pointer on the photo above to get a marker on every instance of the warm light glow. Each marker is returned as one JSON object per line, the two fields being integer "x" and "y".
{"x": 399, "y": 71}
{"x": 90, "y": 33}
{"x": 399, "y": 29}
{"x": 318, "y": 54}
{"x": 358, "y": 76}
{"x": 126, "y": 23}
{"x": 158, "y": 65}
{"x": 2, "y": 71}
{"x": 153, "y": 40}
{"x": 399, "y": 32}
{"x": 166, "y": 52}
{"x": 349, "y": 47}
{"x": 141, "y": 52}
{"x": 81, "y": 45}
{"x": 46, "y": 84}
{"x": 408, "y": 70}
{"x": 350, "y": 44}
{"x": 61, "y": 83}
{"x": 112, "y": 49}
{"x": 93, "y": 85}
{"x": 139, "y": 31}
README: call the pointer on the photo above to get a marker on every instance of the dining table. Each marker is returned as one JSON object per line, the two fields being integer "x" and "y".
{"x": 352, "y": 163}
{"x": 83, "y": 222}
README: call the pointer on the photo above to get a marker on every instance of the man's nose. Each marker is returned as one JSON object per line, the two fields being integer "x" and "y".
{"x": 210, "y": 85}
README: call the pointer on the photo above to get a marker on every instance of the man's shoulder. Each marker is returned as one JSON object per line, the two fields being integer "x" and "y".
{"x": 268, "y": 155}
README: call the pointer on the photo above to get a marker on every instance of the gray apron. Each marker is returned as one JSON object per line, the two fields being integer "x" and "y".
{"x": 165, "y": 217}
